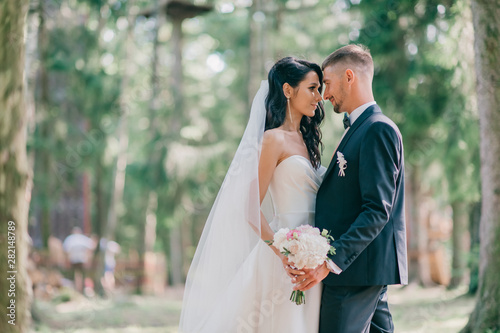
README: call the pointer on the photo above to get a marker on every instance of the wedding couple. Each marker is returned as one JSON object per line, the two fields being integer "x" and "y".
{"x": 237, "y": 283}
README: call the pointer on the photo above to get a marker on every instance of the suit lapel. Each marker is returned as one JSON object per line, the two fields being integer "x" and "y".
{"x": 365, "y": 115}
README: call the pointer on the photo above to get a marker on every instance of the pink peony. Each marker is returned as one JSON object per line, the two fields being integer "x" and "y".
{"x": 293, "y": 234}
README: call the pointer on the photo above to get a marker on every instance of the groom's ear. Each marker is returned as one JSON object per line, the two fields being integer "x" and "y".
{"x": 287, "y": 90}
{"x": 349, "y": 75}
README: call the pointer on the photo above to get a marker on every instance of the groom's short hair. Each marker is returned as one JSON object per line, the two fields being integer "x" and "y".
{"x": 352, "y": 55}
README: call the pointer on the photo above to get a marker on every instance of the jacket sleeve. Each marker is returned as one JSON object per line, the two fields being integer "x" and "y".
{"x": 379, "y": 167}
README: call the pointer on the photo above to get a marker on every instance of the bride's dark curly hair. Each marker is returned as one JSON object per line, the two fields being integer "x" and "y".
{"x": 293, "y": 71}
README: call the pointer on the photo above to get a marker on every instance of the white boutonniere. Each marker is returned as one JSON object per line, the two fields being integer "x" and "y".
{"x": 342, "y": 164}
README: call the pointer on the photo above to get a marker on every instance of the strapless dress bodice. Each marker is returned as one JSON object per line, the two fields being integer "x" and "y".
{"x": 293, "y": 191}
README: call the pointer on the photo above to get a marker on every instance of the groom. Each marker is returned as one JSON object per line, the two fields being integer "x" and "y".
{"x": 361, "y": 201}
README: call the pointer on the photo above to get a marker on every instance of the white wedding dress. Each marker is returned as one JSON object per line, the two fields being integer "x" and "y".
{"x": 263, "y": 304}
{"x": 236, "y": 284}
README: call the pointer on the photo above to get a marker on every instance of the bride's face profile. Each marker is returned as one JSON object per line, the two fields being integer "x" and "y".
{"x": 294, "y": 92}
{"x": 305, "y": 97}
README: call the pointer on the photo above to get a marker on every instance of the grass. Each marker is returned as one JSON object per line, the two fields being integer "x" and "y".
{"x": 414, "y": 310}
{"x": 122, "y": 313}
{"x": 419, "y": 310}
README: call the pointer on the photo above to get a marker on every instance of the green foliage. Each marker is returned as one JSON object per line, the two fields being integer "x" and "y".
{"x": 422, "y": 81}
{"x": 418, "y": 82}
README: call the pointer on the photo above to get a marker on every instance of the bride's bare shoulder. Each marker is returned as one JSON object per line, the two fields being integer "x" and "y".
{"x": 274, "y": 136}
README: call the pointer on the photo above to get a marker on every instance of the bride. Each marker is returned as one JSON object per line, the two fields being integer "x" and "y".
{"x": 237, "y": 283}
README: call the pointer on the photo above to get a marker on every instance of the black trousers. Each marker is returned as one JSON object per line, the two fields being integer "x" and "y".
{"x": 355, "y": 310}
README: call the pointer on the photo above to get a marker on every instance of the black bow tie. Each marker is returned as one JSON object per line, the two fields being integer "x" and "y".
{"x": 347, "y": 122}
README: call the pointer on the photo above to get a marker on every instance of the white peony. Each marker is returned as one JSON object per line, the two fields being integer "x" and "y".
{"x": 280, "y": 238}
{"x": 304, "y": 246}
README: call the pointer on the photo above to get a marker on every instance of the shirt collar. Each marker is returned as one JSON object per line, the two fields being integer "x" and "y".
{"x": 359, "y": 110}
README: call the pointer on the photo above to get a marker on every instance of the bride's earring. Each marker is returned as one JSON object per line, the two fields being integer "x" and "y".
{"x": 288, "y": 107}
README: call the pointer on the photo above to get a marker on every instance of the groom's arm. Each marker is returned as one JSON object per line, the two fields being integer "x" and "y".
{"x": 379, "y": 167}
{"x": 380, "y": 164}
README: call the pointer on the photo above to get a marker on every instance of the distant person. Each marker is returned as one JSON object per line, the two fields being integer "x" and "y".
{"x": 111, "y": 249}
{"x": 78, "y": 246}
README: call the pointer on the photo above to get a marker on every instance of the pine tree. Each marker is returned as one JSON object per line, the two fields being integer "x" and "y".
{"x": 485, "y": 317}
{"x": 14, "y": 173}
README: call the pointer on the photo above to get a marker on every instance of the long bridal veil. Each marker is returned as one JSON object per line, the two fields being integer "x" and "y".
{"x": 232, "y": 229}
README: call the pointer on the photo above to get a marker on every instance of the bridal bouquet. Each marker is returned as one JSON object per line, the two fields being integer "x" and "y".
{"x": 306, "y": 247}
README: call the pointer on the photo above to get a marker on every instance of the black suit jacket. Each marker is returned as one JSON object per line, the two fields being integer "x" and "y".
{"x": 364, "y": 210}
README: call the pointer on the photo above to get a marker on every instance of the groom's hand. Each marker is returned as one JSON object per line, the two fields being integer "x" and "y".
{"x": 311, "y": 277}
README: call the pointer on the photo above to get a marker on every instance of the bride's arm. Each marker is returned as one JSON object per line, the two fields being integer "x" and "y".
{"x": 271, "y": 153}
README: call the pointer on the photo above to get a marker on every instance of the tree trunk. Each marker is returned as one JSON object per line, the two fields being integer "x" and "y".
{"x": 121, "y": 160}
{"x": 99, "y": 221}
{"x": 147, "y": 231}
{"x": 419, "y": 268}
{"x": 175, "y": 237}
{"x": 257, "y": 49}
{"x": 177, "y": 86}
{"x": 150, "y": 225}
{"x": 109, "y": 232}
{"x": 485, "y": 13}
{"x": 154, "y": 102}
{"x": 118, "y": 180}
{"x": 87, "y": 226}
{"x": 156, "y": 155}
{"x": 475, "y": 219}
{"x": 15, "y": 180}
{"x": 460, "y": 242}
{"x": 43, "y": 158}
{"x": 177, "y": 80}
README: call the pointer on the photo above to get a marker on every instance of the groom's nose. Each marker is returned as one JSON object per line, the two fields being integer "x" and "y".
{"x": 326, "y": 95}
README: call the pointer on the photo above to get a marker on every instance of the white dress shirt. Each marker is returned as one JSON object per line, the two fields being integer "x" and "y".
{"x": 359, "y": 110}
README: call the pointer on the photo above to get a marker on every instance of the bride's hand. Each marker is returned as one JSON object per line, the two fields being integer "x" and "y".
{"x": 289, "y": 269}
{"x": 287, "y": 265}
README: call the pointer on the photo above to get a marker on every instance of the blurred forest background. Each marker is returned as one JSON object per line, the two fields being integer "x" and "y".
{"x": 134, "y": 109}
